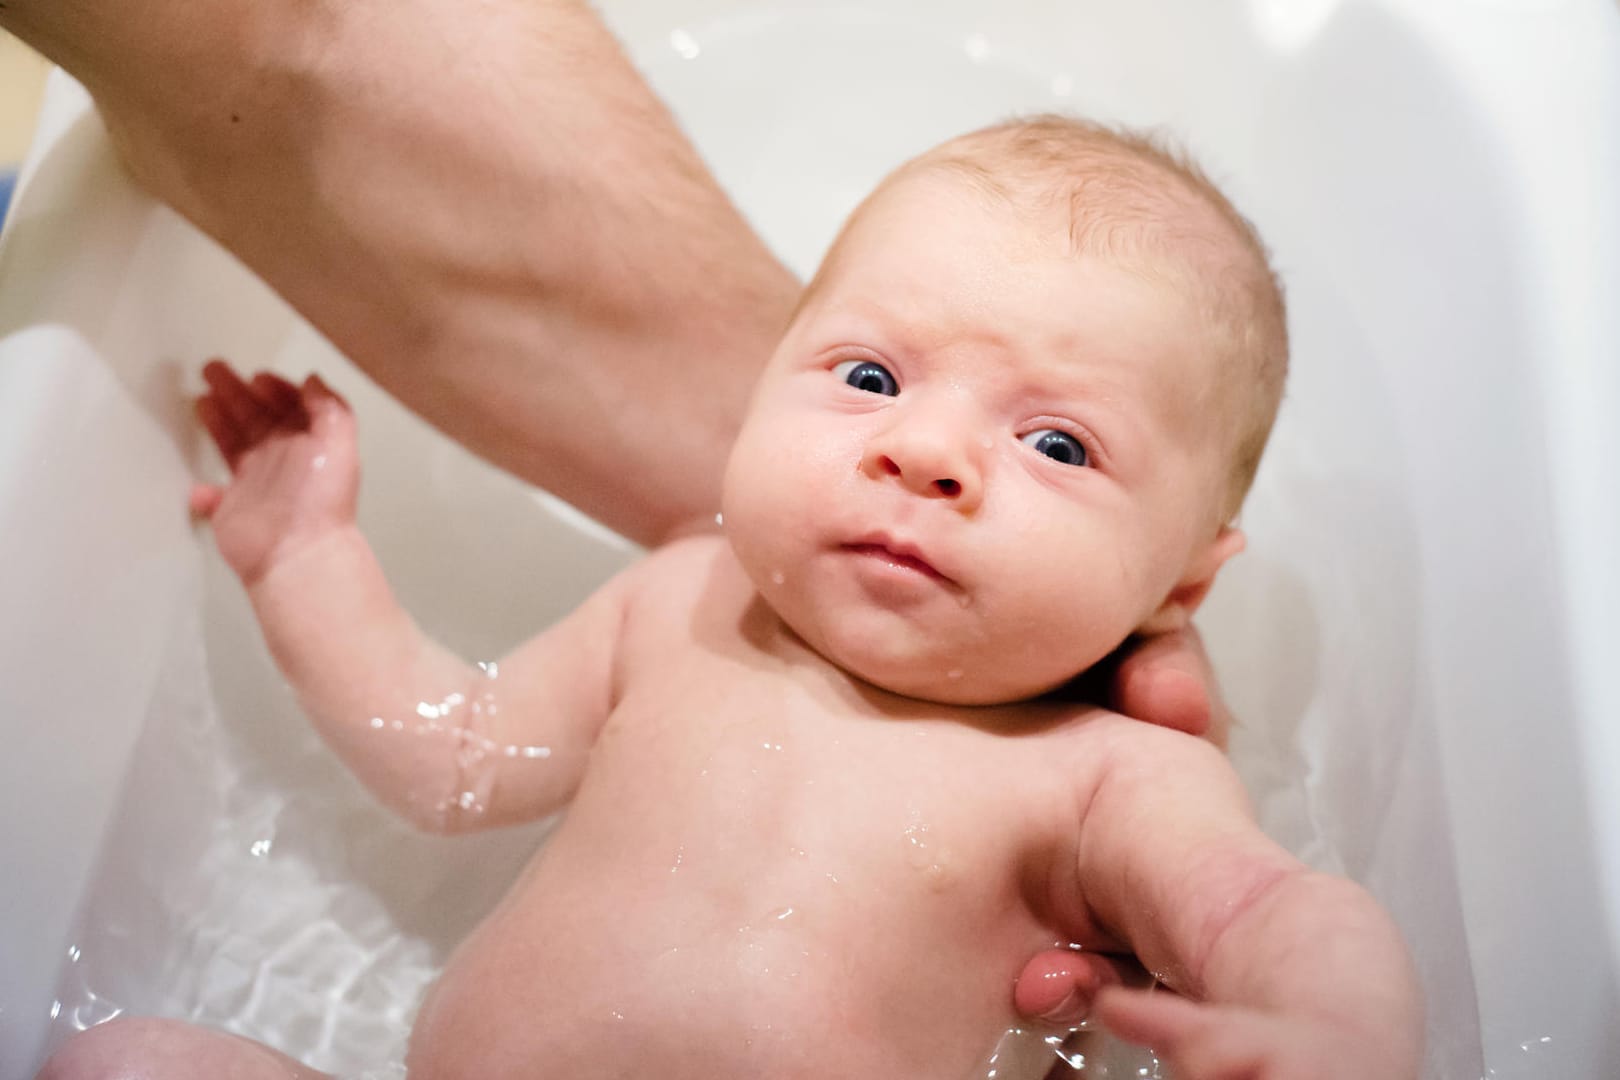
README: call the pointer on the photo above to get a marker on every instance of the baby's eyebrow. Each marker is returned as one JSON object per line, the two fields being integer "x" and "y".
{"x": 1113, "y": 411}
{"x": 1067, "y": 377}
{"x": 859, "y": 327}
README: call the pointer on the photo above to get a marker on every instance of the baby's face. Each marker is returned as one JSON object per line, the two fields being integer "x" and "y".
{"x": 976, "y": 462}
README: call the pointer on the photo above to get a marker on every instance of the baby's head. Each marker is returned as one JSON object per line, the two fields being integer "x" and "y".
{"x": 1014, "y": 416}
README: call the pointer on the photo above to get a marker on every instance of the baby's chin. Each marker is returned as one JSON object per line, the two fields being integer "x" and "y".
{"x": 964, "y": 680}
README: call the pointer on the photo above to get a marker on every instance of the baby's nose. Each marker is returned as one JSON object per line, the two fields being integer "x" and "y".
{"x": 929, "y": 458}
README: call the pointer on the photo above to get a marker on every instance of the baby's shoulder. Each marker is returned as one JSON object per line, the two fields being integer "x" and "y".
{"x": 687, "y": 564}
{"x": 692, "y": 574}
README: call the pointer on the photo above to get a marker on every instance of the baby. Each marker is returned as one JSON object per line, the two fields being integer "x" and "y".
{"x": 816, "y": 763}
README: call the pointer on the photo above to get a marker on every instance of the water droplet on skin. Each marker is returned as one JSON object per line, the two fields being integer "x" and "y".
{"x": 777, "y": 577}
{"x": 954, "y": 673}
{"x": 752, "y": 960}
{"x": 680, "y": 856}
{"x": 925, "y": 856}
{"x": 319, "y": 463}
{"x": 720, "y": 520}
{"x": 917, "y": 852}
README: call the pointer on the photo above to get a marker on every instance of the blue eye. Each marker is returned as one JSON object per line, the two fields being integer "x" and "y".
{"x": 1057, "y": 445}
{"x": 868, "y": 375}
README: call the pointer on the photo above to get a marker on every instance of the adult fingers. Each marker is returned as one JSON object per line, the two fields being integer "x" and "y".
{"x": 1196, "y": 1041}
{"x": 1167, "y": 680}
{"x": 1151, "y": 1017}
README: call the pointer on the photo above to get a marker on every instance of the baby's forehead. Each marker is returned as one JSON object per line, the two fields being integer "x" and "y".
{"x": 1102, "y": 179}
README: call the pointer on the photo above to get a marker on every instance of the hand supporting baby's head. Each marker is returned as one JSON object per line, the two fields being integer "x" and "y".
{"x": 1019, "y": 406}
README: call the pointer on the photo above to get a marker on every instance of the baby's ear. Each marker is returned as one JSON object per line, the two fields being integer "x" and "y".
{"x": 1177, "y": 610}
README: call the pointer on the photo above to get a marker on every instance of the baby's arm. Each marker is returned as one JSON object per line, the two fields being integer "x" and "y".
{"x": 1284, "y": 972}
{"x": 447, "y": 744}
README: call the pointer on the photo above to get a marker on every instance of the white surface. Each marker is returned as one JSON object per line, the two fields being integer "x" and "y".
{"x": 1417, "y": 639}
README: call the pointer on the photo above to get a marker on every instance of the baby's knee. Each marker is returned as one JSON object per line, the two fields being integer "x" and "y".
{"x": 137, "y": 1048}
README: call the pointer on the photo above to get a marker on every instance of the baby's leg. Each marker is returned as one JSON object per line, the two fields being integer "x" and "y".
{"x": 141, "y": 1049}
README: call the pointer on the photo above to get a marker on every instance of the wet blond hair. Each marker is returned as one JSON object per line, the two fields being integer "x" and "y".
{"x": 1134, "y": 199}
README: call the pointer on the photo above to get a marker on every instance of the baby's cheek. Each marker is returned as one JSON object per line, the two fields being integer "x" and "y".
{"x": 1077, "y": 609}
{"x": 764, "y": 523}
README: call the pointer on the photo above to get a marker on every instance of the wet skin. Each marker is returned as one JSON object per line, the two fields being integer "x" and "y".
{"x": 765, "y": 852}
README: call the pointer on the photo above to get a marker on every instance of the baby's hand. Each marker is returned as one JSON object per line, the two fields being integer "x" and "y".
{"x": 294, "y": 467}
{"x": 1215, "y": 1042}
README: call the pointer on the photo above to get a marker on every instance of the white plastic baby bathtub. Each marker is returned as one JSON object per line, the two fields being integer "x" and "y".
{"x": 1418, "y": 639}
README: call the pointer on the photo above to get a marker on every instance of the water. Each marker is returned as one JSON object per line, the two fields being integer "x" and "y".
{"x": 283, "y": 904}
{"x": 1033, "y": 1054}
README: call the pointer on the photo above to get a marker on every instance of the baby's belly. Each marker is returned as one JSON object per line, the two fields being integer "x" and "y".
{"x": 765, "y": 889}
{"x": 610, "y": 964}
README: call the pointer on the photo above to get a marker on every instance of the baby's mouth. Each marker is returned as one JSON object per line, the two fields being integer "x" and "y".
{"x": 903, "y": 556}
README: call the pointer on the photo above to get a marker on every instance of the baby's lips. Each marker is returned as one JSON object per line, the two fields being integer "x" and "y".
{"x": 903, "y": 552}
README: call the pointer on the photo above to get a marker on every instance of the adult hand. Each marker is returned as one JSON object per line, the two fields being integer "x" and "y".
{"x": 1168, "y": 680}
{"x": 1165, "y": 680}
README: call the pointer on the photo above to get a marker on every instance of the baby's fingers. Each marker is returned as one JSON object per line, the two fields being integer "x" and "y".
{"x": 315, "y": 389}
{"x": 234, "y": 397}
{"x": 328, "y": 413}
{"x": 280, "y": 397}
{"x": 205, "y": 499}
{"x": 222, "y": 429}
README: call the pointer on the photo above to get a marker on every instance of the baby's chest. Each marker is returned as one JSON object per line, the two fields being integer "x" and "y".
{"x": 764, "y": 790}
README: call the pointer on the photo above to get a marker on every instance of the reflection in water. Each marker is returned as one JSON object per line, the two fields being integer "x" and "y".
{"x": 1086, "y": 1055}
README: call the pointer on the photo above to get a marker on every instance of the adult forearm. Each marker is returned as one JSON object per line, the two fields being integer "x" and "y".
{"x": 483, "y": 207}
